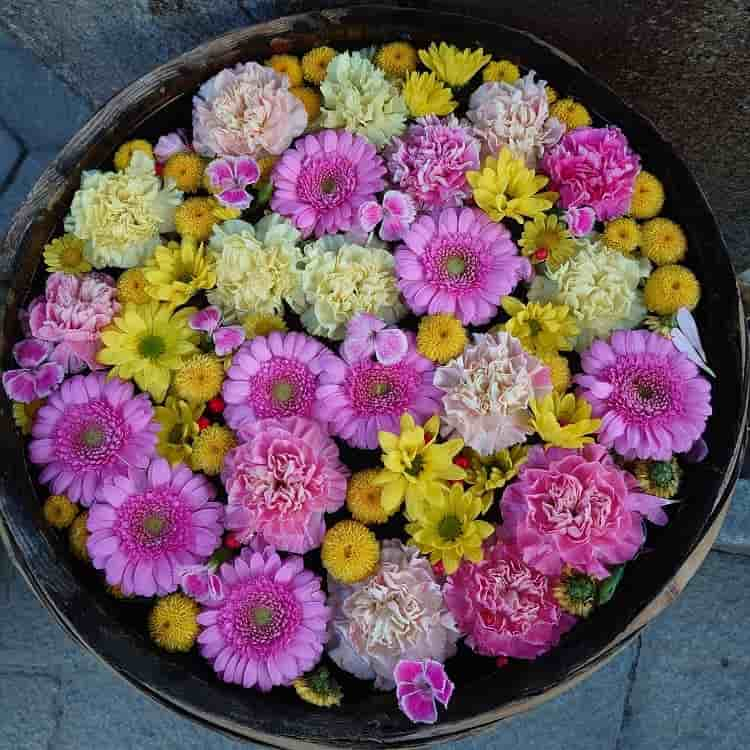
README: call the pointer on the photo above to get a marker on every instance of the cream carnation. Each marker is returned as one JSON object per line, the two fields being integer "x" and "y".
{"x": 256, "y": 267}
{"x": 358, "y": 97}
{"x": 600, "y": 286}
{"x": 341, "y": 279}
{"x": 398, "y": 613}
{"x": 120, "y": 215}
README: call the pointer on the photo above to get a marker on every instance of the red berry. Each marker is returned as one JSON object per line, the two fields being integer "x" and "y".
{"x": 159, "y": 169}
{"x": 501, "y": 661}
{"x": 541, "y": 254}
{"x": 462, "y": 461}
{"x": 216, "y": 405}
{"x": 439, "y": 569}
{"x": 427, "y": 437}
{"x": 231, "y": 541}
{"x": 203, "y": 422}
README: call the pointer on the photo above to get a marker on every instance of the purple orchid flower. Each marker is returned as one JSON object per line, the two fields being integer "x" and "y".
{"x": 580, "y": 221}
{"x": 37, "y": 377}
{"x": 226, "y": 339}
{"x": 395, "y": 215}
{"x": 419, "y": 685}
{"x": 367, "y": 335}
{"x": 229, "y": 178}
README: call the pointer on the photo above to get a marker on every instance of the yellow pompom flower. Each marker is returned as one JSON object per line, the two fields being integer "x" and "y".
{"x": 441, "y": 337}
{"x": 147, "y": 343}
{"x": 575, "y": 592}
{"x": 397, "y": 59}
{"x": 173, "y": 623}
{"x": 454, "y": 66}
{"x": 196, "y": 218}
{"x": 622, "y": 234}
{"x": 547, "y": 240}
{"x": 671, "y": 287}
{"x": 262, "y": 325}
{"x": 23, "y": 414}
{"x": 78, "y": 537}
{"x": 315, "y": 64}
{"x": 552, "y": 95}
{"x": 663, "y": 242}
{"x": 425, "y": 95}
{"x": 648, "y": 196}
{"x": 124, "y": 154}
{"x": 486, "y": 474}
{"x": 288, "y": 65}
{"x": 563, "y": 421}
{"x": 210, "y": 448}
{"x": 502, "y": 71}
{"x": 179, "y": 427}
{"x": 131, "y": 287}
{"x": 178, "y": 271}
{"x": 350, "y": 551}
{"x": 319, "y": 688}
{"x": 59, "y": 512}
{"x": 199, "y": 378}
{"x": 570, "y": 113}
{"x": 506, "y": 188}
{"x": 559, "y": 370}
{"x": 65, "y": 255}
{"x": 415, "y": 465}
{"x": 363, "y": 498}
{"x": 446, "y": 526}
{"x": 540, "y": 327}
{"x": 186, "y": 170}
{"x": 310, "y": 99}
{"x": 660, "y": 478}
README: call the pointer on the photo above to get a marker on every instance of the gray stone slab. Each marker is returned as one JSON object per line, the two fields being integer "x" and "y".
{"x": 30, "y": 712}
{"x": 735, "y": 533}
{"x": 691, "y": 686}
{"x": 10, "y": 153}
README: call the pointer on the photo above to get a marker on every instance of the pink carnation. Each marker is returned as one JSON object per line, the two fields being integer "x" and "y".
{"x": 247, "y": 110}
{"x": 593, "y": 167}
{"x": 577, "y": 507}
{"x": 650, "y": 396}
{"x": 71, "y": 314}
{"x": 281, "y": 481}
{"x": 504, "y": 607}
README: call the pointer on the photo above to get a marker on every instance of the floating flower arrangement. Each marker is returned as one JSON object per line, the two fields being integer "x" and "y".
{"x": 390, "y": 355}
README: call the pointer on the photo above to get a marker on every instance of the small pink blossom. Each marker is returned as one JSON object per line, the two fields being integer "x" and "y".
{"x": 368, "y": 335}
{"x": 370, "y": 214}
{"x": 581, "y": 220}
{"x": 37, "y": 378}
{"x": 397, "y": 214}
{"x": 201, "y": 582}
{"x": 229, "y": 177}
{"x": 171, "y": 144}
{"x": 419, "y": 684}
{"x": 226, "y": 339}
{"x": 206, "y": 320}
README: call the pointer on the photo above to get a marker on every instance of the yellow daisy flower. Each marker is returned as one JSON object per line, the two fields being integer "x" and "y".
{"x": 124, "y": 154}
{"x": 441, "y": 337}
{"x": 179, "y": 427}
{"x": 570, "y": 113}
{"x": 540, "y": 328}
{"x": 563, "y": 421}
{"x": 131, "y": 287}
{"x": 663, "y": 242}
{"x": 65, "y": 255}
{"x": 319, "y": 688}
{"x": 262, "y": 325}
{"x": 350, "y": 551}
{"x": 315, "y": 64}
{"x": 23, "y": 414}
{"x": 671, "y": 287}
{"x": 310, "y": 98}
{"x": 210, "y": 448}
{"x": 425, "y": 95}
{"x": 502, "y": 71}
{"x": 173, "y": 623}
{"x": 178, "y": 271}
{"x": 186, "y": 170}
{"x": 397, "y": 59}
{"x": 559, "y": 370}
{"x": 455, "y": 67}
{"x": 59, "y": 512}
{"x": 147, "y": 343}
{"x": 363, "y": 498}
{"x": 288, "y": 65}
{"x": 622, "y": 234}
{"x": 486, "y": 474}
{"x": 648, "y": 196}
{"x": 547, "y": 240}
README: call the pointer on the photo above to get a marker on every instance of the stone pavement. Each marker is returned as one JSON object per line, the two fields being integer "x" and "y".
{"x": 682, "y": 685}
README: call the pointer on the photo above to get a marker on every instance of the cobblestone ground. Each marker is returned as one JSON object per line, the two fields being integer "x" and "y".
{"x": 682, "y": 685}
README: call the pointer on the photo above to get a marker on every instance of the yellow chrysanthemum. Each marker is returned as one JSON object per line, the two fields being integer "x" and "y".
{"x": 199, "y": 378}
{"x": 397, "y": 59}
{"x": 179, "y": 427}
{"x": 186, "y": 170}
{"x": 648, "y": 196}
{"x": 131, "y": 287}
{"x": 59, "y": 512}
{"x": 575, "y": 592}
{"x": 506, "y": 188}
{"x": 350, "y": 551}
{"x": 671, "y": 287}
{"x": 262, "y": 325}
{"x": 663, "y": 242}
{"x": 547, "y": 240}
{"x": 425, "y": 95}
{"x": 570, "y": 113}
{"x": 65, "y": 255}
{"x": 441, "y": 337}
{"x": 319, "y": 688}
{"x": 173, "y": 623}
{"x": 196, "y": 217}
{"x": 415, "y": 465}
{"x": 210, "y": 448}
{"x": 78, "y": 536}
{"x": 288, "y": 65}
{"x": 363, "y": 498}
{"x": 660, "y": 478}
{"x": 23, "y": 414}
{"x": 147, "y": 343}
{"x": 552, "y": 95}
{"x": 454, "y": 66}
{"x": 564, "y": 421}
{"x": 501, "y": 70}
{"x": 310, "y": 99}
{"x": 446, "y": 526}
{"x": 485, "y": 474}
{"x": 265, "y": 165}
{"x": 315, "y": 64}
{"x": 124, "y": 154}
{"x": 622, "y": 234}
{"x": 178, "y": 271}
{"x": 559, "y": 370}
{"x": 540, "y": 327}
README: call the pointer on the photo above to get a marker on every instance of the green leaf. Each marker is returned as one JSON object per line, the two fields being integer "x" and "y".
{"x": 608, "y": 586}
{"x": 265, "y": 191}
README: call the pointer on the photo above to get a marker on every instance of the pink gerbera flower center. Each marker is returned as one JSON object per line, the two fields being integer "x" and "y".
{"x": 452, "y": 264}
{"x": 376, "y": 389}
{"x": 327, "y": 182}
{"x": 90, "y": 436}
{"x": 641, "y": 391}
{"x": 285, "y": 386}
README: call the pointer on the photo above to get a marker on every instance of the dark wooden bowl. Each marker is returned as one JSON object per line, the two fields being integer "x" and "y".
{"x": 115, "y": 631}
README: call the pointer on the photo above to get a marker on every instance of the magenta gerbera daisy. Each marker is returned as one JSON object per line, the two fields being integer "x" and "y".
{"x": 91, "y": 429}
{"x": 649, "y": 395}
{"x": 367, "y": 396}
{"x": 277, "y": 376}
{"x": 270, "y": 626}
{"x": 147, "y": 526}
{"x": 459, "y": 262}
{"x": 321, "y": 182}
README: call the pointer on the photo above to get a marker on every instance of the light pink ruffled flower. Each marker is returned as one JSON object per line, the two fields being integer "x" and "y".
{"x": 282, "y": 481}
{"x": 321, "y": 182}
{"x": 593, "y": 167}
{"x": 577, "y": 507}
{"x": 247, "y": 110}
{"x": 396, "y": 214}
{"x": 71, "y": 314}
{"x": 419, "y": 684}
{"x": 36, "y": 378}
{"x": 505, "y": 607}
{"x": 367, "y": 335}
{"x": 171, "y": 144}
{"x": 580, "y": 221}
{"x": 650, "y": 396}
{"x": 226, "y": 339}
{"x": 229, "y": 178}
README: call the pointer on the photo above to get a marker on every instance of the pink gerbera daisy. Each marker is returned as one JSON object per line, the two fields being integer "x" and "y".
{"x": 367, "y": 396}
{"x": 91, "y": 429}
{"x": 321, "y": 182}
{"x": 277, "y": 376}
{"x": 459, "y": 262}
{"x": 146, "y": 526}
{"x": 650, "y": 396}
{"x": 270, "y": 626}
